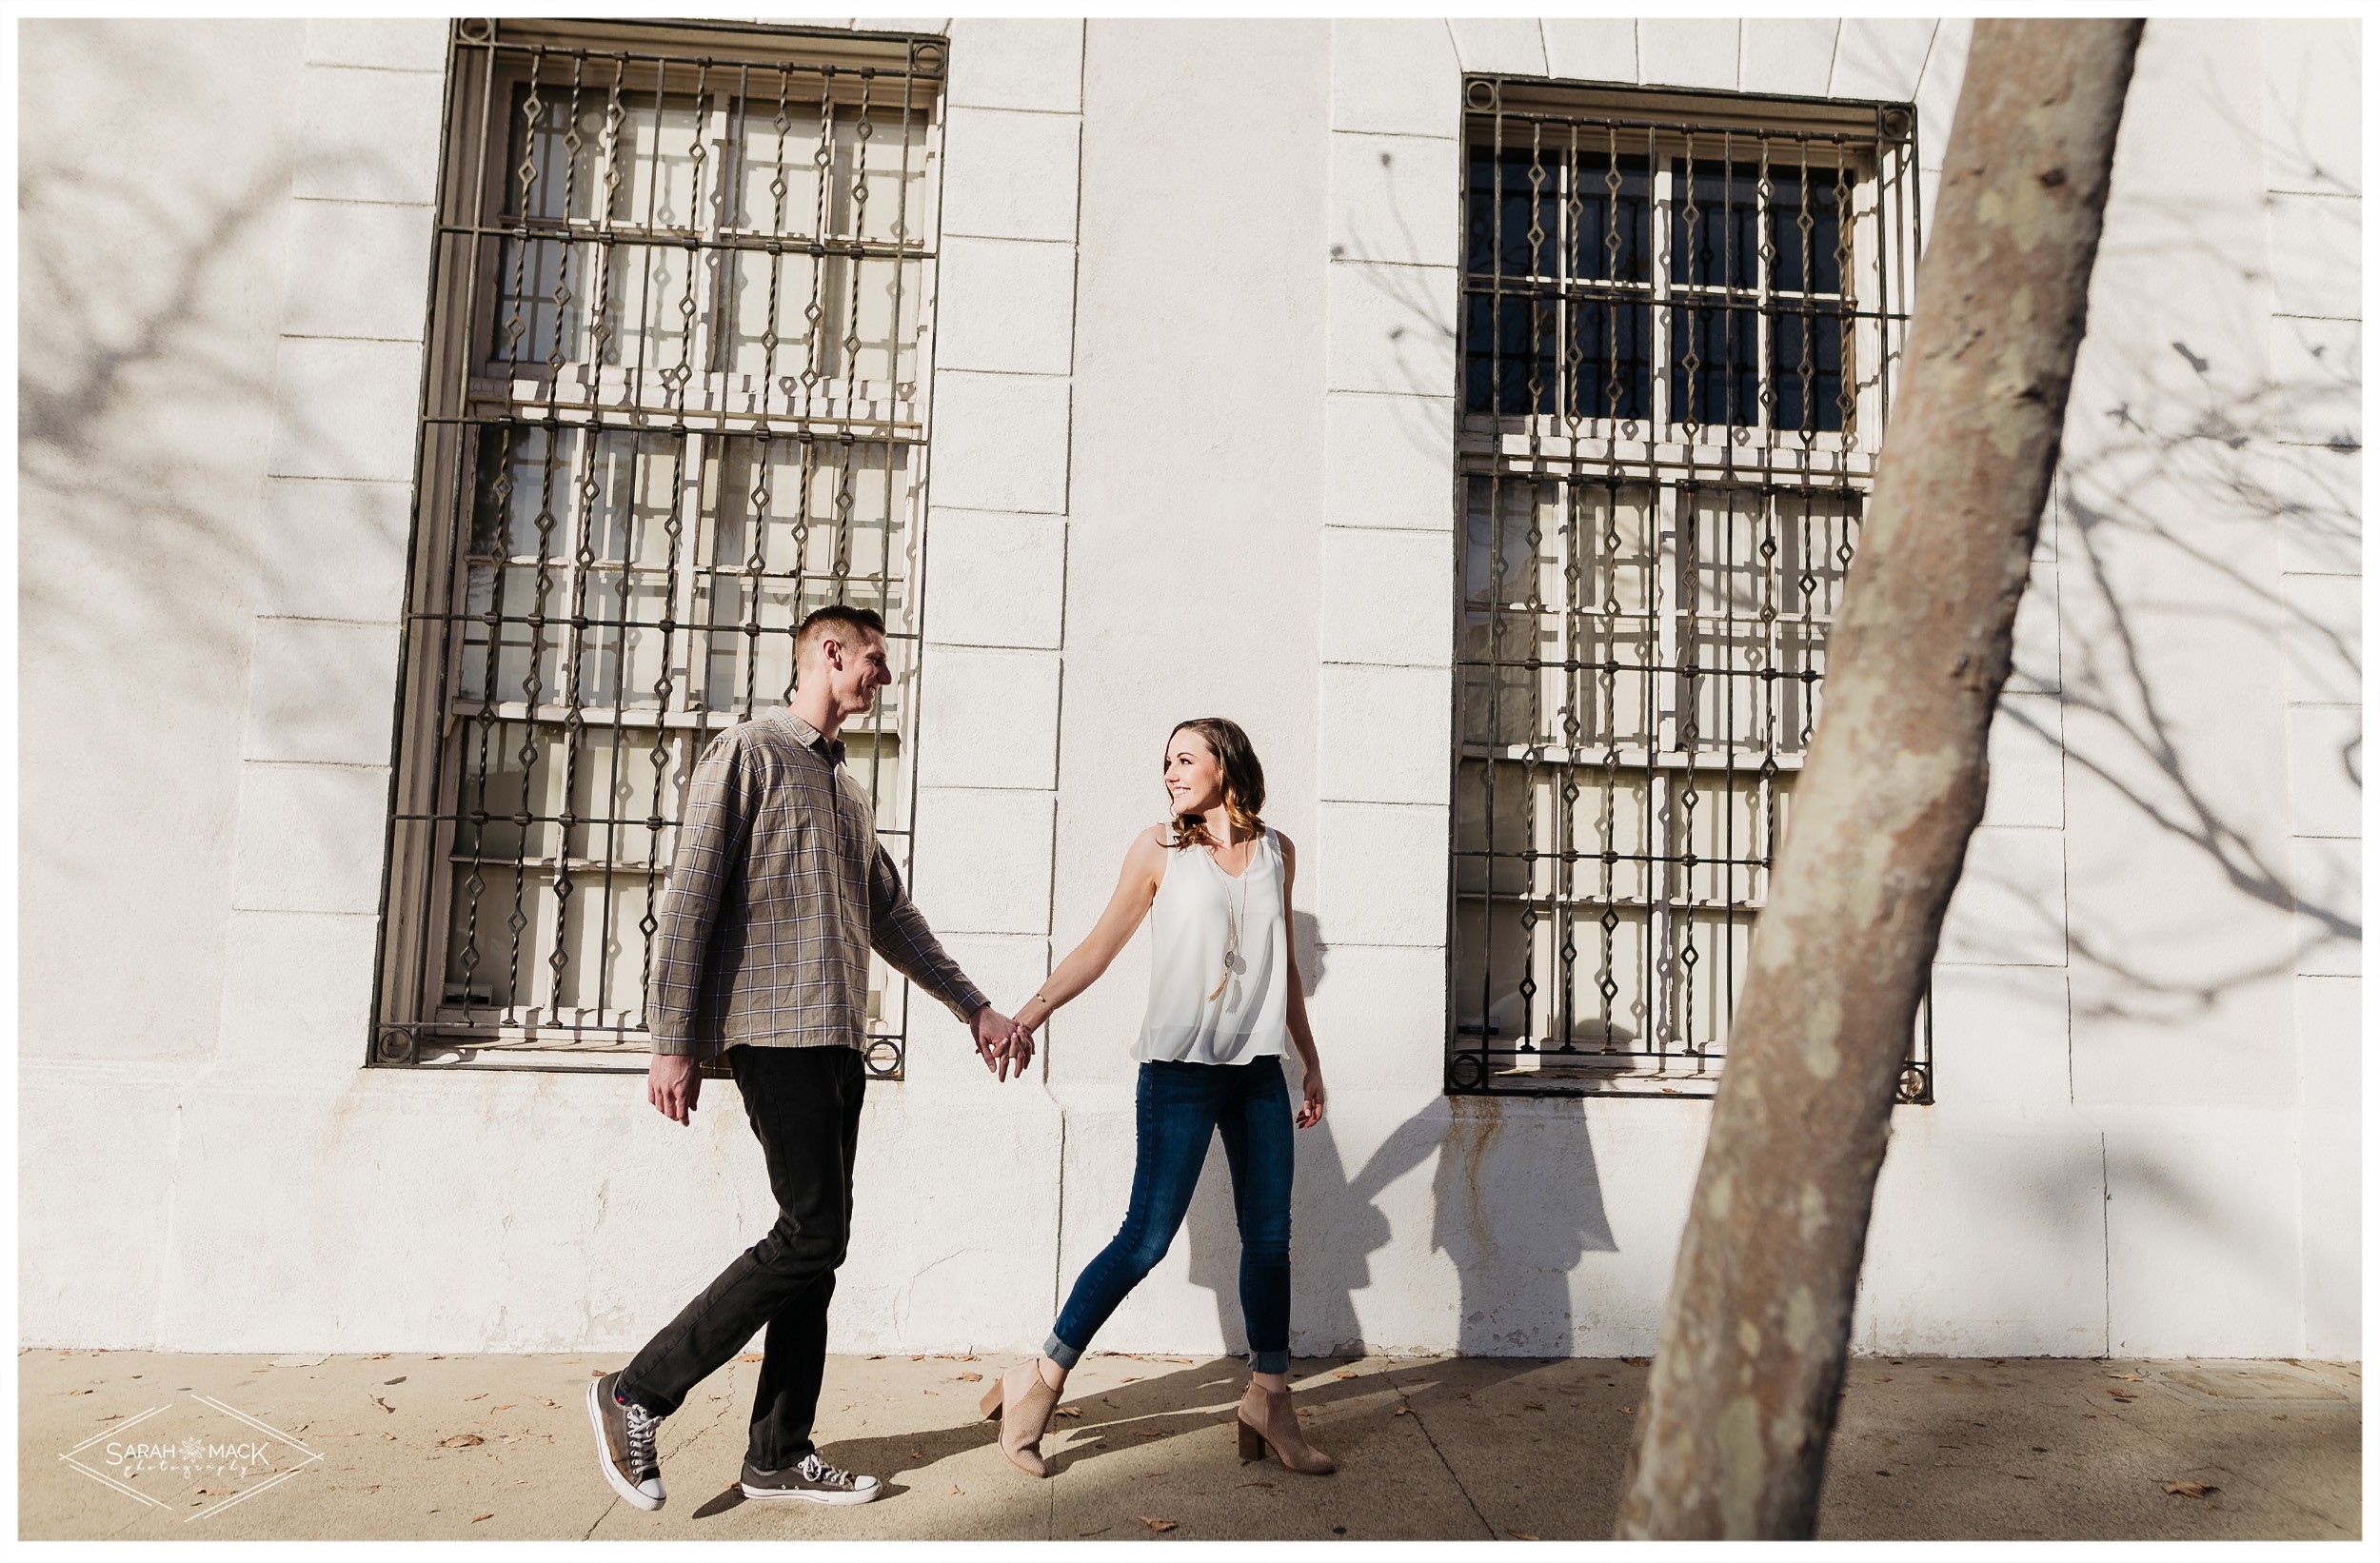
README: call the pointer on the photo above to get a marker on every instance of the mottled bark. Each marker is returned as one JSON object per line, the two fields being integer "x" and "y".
{"x": 1733, "y": 1436}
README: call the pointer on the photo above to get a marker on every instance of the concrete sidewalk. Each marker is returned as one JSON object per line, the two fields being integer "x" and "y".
{"x": 1473, "y": 1449}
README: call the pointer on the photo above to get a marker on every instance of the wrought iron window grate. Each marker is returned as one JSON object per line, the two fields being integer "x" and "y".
{"x": 1680, "y": 319}
{"x": 673, "y": 403}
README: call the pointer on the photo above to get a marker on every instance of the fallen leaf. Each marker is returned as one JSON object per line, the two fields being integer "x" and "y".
{"x": 1069, "y": 1411}
{"x": 1305, "y": 1411}
{"x": 2128, "y": 1377}
{"x": 1128, "y": 1378}
{"x": 507, "y": 1405}
{"x": 380, "y": 1356}
{"x": 755, "y": 1357}
{"x": 970, "y": 1379}
{"x": 216, "y": 1492}
{"x": 1523, "y": 1535}
{"x": 399, "y": 1380}
{"x": 917, "y": 1454}
{"x": 547, "y": 1404}
{"x": 78, "y": 1392}
{"x": 1884, "y": 1378}
{"x": 112, "y": 1417}
{"x": 384, "y": 1405}
{"x": 461, "y": 1440}
{"x": 1159, "y": 1525}
{"x": 1402, "y": 1411}
{"x": 2190, "y": 1489}
{"x": 878, "y": 1357}
{"x": 476, "y": 1519}
{"x": 1342, "y": 1374}
{"x": 436, "y": 1356}
{"x": 2121, "y": 1398}
{"x": 594, "y": 1373}
{"x": 1101, "y": 1531}
{"x": 374, "y": 1488}
{"x": 480, "y": 1396}
{"x": 915, "y": 1357}
{"x": 955, "y": 1492}
{"x": 1532, "y": 1405}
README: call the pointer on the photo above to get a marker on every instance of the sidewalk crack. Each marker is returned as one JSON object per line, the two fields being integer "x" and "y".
{"x": 1442, "y": 1460}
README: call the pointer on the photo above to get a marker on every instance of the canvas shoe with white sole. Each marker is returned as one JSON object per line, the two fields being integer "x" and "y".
{"x": 624, "y": 1443}
{"x": 812, "y": 1481}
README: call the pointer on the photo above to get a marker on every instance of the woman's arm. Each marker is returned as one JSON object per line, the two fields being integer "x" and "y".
{"x": 1144, "y": 866}
{"x": 1301, "y": 1033}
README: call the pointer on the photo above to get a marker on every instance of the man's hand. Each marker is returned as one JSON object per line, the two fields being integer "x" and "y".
{"x": 672, "y": 1083}
{"x": 1000, "y": 1043}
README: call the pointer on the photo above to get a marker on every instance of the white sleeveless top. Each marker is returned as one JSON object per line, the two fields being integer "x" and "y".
{"x": 1199, "y": 1011}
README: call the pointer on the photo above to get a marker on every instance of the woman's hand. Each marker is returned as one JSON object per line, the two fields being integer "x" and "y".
{"x": 1310, "y": 1111}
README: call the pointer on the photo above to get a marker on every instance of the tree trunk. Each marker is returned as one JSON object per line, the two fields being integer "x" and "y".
{"x": 1733, "y": 1436}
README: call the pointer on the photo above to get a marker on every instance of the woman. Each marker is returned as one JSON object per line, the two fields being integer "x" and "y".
{"x": 1224, "y": 1000}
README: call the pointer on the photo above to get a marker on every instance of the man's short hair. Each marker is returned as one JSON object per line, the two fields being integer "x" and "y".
{"x": 836, "y": 616}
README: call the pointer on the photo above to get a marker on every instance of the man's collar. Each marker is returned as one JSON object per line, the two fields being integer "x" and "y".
{"x": 810, "y": 738}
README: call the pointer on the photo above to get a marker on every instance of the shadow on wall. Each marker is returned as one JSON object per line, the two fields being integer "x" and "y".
{"x": 1517, "y": 1201}
{"x": 2204, "y": 439}
{"x": 146, "y": 338}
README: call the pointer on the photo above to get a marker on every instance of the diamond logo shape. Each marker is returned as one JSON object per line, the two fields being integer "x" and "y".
{"x": 199, "y": 1453}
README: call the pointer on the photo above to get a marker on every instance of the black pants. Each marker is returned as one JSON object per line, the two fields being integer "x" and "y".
{"x": 805, "y": 1105}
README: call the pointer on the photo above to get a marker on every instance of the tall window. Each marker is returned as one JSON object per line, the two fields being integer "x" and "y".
{"x": 1680, "y": 322}
{"x": 674, "y": 403}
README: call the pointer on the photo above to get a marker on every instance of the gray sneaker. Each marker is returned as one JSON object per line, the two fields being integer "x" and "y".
{"x": 624, "y": 1443}
{"x": 812, "y": 1481}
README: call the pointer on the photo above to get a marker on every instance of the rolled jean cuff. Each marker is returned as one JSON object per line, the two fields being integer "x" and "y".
{"x": 1269, "y": 1361}
{"x": 1066, "y": 1356}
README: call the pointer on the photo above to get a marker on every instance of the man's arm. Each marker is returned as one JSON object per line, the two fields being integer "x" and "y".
{"x": 898, "y": 931}
{"x": 720, "y": 800}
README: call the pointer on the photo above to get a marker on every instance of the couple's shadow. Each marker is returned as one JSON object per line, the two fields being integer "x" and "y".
{"x": 1166, "y": 1405}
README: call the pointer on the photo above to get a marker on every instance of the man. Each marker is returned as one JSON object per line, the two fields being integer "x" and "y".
{"x": 777, "y": 892}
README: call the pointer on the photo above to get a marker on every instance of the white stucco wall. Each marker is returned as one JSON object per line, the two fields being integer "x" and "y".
{"x": 1195, "y": 307}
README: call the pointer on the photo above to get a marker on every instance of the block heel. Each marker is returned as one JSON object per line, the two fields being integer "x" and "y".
{"x": 1251, "y": 1444}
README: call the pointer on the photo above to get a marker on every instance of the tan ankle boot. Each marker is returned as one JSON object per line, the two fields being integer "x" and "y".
{"x": 1266, "y": 1418}
{"x": 1020, "y": 1403}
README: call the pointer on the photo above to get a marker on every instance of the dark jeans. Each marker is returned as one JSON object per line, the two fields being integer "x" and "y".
{"x": 805, "y": 1105}
{"x": 1181, "y": 1106}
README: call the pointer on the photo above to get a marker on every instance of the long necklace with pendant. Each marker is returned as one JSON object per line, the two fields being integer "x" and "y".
{"x": 1232, "y": 964}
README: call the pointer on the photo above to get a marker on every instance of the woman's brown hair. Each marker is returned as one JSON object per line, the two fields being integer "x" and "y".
{"x": 1244, "y": 779}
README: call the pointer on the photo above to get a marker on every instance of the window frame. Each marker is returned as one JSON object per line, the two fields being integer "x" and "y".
{"x": 1553, "y": 444}
{"x": 471, "y": 385}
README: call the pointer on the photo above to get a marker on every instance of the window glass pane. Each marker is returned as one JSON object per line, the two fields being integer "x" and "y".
{"x": 1508, "y": 354}
{"x": 1715, "y": 364}
{"x": 1806, "y": 369}
{"x": 1512, "y": 223}
{"x": 1612, "y": 376}
{"x": 1612, "y": 240}
{"x": 1714, "y": 223}
{"x": 1806, "y": 228}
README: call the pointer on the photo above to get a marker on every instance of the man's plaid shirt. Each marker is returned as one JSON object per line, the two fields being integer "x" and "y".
{"x": 778, "y": 891}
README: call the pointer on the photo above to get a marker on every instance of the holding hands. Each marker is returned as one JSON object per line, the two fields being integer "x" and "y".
{"x": 1002, "y": 1043}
